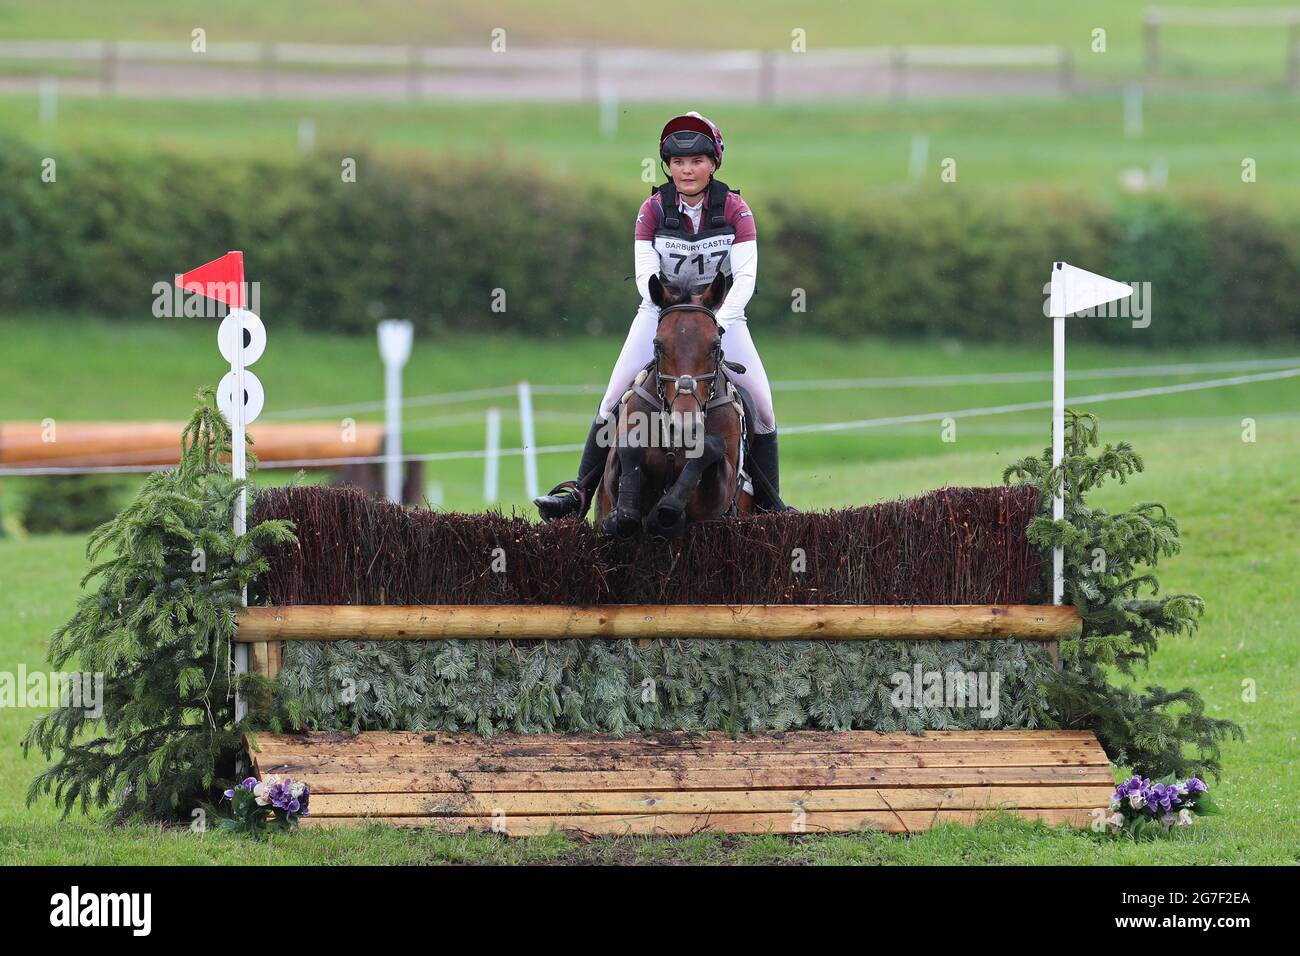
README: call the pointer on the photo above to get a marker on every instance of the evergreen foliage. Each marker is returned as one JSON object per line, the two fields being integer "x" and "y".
{"x": 158, "y": 625}
{"x": 620, "y": 687}
{"x": 1109, "y": 562}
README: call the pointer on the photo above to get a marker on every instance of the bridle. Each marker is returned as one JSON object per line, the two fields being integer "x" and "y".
{"x": 685, "y": 384}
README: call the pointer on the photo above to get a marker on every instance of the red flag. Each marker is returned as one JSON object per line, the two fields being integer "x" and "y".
{"x": 221, "y": 279}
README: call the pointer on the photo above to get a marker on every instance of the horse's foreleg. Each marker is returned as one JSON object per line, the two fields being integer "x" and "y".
{"x": 624, "y": 519}
{"x": 668, "y": 516}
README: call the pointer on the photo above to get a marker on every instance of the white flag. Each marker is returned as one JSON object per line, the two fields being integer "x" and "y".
{"x": 1077, "y": 290}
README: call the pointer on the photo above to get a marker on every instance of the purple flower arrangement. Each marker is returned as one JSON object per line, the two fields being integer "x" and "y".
{"x": 1140, "y": 807}
{"x": 258, "y": 805}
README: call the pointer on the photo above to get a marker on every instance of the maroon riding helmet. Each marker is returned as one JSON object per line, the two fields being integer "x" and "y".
{"x": 691, "y": 135}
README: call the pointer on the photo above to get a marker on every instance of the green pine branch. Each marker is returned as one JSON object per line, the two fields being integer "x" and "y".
{"x": 1108, "y": 562}
{"x": 167, "y": 574}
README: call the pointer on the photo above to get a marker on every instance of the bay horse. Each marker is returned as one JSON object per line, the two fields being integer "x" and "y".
{"x": 677, "y": 442}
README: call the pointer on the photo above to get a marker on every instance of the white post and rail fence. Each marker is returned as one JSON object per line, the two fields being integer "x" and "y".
{"x": 415, "y": 72}
{"x": 1155, "y": 20}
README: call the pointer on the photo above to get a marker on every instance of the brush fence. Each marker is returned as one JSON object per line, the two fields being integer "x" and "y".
{"x": 800, "y": 622}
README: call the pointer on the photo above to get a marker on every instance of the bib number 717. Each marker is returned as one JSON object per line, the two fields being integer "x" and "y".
{"x": 702, "y": 266}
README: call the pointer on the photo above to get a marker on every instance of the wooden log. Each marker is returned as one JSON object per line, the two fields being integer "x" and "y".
{"x": 716, "y": 760}
{"x": 778, "y": 778}
{"x": 802, "y": 741}
{"x": 400, "y": 762}
{"x": 757, "y": 622}
{"x": 95, "y": 444}
{"x": 681, "y": 824}
{"x": 456, "y": 804}
{"x": 434, "y": 747}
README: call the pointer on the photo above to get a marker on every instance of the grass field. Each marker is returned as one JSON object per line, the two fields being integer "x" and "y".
{"x": 1237, "y": 503}
{"x": 724, "y": 24}
{"x": 842, "y": 154}
{"x": 59, "y": 366}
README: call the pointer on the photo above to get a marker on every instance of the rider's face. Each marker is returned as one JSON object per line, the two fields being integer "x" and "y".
{"x": 690, "y": 173}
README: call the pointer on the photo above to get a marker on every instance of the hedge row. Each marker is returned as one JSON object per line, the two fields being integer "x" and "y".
{"x": 434, "y": 243}
{"x": 951, "y": 546}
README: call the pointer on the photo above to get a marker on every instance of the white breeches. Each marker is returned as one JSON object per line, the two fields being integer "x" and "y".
{"x": 737, "y": 346}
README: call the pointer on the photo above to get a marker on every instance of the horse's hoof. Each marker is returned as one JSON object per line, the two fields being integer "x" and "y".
{"x": 667, "y": 520}
{"x": 621, "y": 524}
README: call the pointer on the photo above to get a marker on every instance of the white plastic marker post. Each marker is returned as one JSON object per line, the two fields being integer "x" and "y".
{"x": 608, "y": 110}
{"x": 241, "y": 338}
{"x": 492, "y": 456}
{"x": 394, "y": 348}
{"x": 306, "y": 134}
{"x": 1073, "y": 290}
{"x": 920, "y": 157}
{"x": 1133, "y": 110}
{"x": 48, "y": 111}
{"x": 529, "y": 442}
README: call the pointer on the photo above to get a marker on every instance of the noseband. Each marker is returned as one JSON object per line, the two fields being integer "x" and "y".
{"x": 685, "y": 384}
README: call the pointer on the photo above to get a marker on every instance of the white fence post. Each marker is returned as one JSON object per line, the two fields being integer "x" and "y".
{"x": 1058, "y": 446}
{"x": 48, "y": 112}
{"x": 394, "y": 349}
{"x": 241, "y": 339}
{"x": 608, "y": 110}
{"x": 1133, "y": 110}
{"x": 1073, "y": 290}
{"x": 492, "y": 456}
{"x": 529, "y": 441}
{"x": 920, "y": 157}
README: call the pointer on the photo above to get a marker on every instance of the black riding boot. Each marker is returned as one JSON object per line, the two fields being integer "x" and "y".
{"x": 573, "y": 497}
{"x": 765, "y": 473}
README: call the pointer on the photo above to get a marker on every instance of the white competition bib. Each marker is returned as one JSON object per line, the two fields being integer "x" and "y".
{"x": 691, "y": 261}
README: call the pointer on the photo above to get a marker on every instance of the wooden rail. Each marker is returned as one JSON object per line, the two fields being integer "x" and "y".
{"x": 149, "y": 444}
{"x": 756, "y": 622}
{"x": 266, "y": 628}
{"x": 674, "y": 783}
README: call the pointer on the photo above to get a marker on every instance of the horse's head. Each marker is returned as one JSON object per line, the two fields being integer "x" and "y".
{"x": 688, "y": 342}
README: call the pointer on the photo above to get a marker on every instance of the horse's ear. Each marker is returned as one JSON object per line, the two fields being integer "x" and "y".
{"x": 658, "y": 294}
{"x": 717, "y": 291}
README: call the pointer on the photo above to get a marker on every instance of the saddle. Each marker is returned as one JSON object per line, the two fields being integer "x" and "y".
{"x": 737, "y": 394}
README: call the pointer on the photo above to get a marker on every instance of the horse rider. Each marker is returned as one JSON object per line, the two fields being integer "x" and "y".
{"x": 691, "y": 227}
